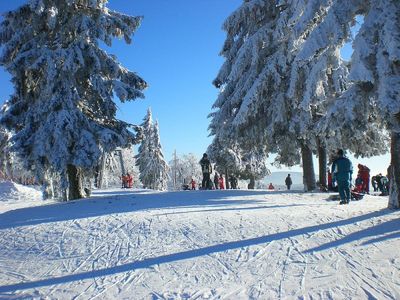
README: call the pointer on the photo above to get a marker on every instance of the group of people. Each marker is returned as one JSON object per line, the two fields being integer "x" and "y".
{"x": 288, "y": 183}
{"x": 380, "y": 183}
{"x": 127, "y": 181}
{"x": 342, "y": 171}
{"x": 218, "y": 181}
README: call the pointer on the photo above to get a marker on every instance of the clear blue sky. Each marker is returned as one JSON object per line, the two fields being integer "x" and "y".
{"x": 176, "y": 50}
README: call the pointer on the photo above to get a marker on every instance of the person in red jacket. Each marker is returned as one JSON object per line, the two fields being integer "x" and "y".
{"x": 363, "y": 173}
{"x": 271, "y": 187}
{"x": 193, "y": 183}
{"x": 129, "y": 180}
{"x": 221, "y": 183}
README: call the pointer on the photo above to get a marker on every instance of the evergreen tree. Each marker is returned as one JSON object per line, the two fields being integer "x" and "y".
{"x": 271, "y": 97}
{"x": 62, "y": 110}
{"x": 230, "y": 158}
{"x": 159, "y": 166}
{"x": 150, "y": 160}
{"x": 375, "y": 73}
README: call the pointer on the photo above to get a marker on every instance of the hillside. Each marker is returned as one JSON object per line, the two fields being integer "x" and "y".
{"x": 235, "y": 244}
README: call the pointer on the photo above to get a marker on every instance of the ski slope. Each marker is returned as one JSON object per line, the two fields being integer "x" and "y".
{"x": 238, "y": 244}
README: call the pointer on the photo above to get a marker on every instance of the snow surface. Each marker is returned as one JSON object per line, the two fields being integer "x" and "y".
{"x": 240, "y": 244}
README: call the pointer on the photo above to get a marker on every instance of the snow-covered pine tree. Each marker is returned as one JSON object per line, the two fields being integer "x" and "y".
{"x": 254, "y": 81}
{"x": 159, "y": 165}
{"x": 249, "y": 33}
{"x": 244, "y": 161}
{"x": 5, "y": 155}
{"x": 145, "y": 148}
{"x": 271, "y": 97}
{"x": 150, "y": 159}
{"x": 375, "y": 70}
{"x": 62, "y": 110}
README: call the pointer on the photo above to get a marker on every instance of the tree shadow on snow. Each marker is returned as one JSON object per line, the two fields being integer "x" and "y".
{"x": 230, "y": 209}
{"x": 382, "y": 232}
{"x": 104, "y": 203}
{"x": 189, "y": 254}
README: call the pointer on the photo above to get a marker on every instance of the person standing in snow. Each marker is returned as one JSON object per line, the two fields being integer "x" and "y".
{"x": 221, "y": 183}
{"x": 216, "y": 180}
{"x": 342, "y": 170}
{"x": 206, "y": 169}
{"x": 363, "y": 173}
{"x": 193, "y": 183}
{"x": 288, "y": 181}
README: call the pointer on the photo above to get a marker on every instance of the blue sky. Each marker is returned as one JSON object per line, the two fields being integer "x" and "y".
{"x": 176, "y": 50}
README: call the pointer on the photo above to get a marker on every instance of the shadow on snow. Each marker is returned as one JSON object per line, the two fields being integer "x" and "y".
{"x": 382, "y": 232}
{"x": 107, "y": 202}
{"x": 189, "y": 254}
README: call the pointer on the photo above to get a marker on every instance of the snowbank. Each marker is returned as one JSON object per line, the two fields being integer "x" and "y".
{"x": 13, "y": 195}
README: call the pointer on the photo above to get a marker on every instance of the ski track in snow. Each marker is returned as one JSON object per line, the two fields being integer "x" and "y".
{"x": 201, "y": 245}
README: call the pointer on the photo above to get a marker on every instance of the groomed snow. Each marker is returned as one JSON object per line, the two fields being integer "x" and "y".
{"x": 199, "y": 245}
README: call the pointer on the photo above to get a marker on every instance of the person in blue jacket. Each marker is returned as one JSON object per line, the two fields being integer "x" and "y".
{"x": 342, "y": 170}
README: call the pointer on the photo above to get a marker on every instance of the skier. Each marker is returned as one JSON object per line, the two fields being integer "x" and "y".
{"x": 342, "y": 170}
{"x": 271, "y": 187}
{"x": 288, "y": 181}
{"x": 207, "y": 170}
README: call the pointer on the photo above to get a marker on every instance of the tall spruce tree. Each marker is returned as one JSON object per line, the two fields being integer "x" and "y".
{"x": 375, "y": 71}
{"x": 150, "y": 159}
{"x": 62, "y": 110}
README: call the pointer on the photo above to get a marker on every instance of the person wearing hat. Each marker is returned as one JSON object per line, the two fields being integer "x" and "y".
{"x": 342, "y": 170}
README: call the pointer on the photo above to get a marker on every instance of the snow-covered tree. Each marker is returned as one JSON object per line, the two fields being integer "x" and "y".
{"x": 182, "y": 169}
{"x": 254, "y": 80}
{"x": 62, "y": 110}
{"x": 244, "y": 161}
{"x": 375, "y": 70}
{"x": 115, "y": 164}
{"x": 270, "y": 97}
{"x": 5, "y": 155}
{"x": 150, "y": 159}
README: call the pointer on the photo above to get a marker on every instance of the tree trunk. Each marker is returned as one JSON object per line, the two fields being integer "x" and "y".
{"x": 252, "y": 183}
{"x": 75, "y": 188}
{"x": 394, "y": 171}
{"x": 322, "y": 160}
{"x": 227, "y": 186}
{"x": 308, "y": 168}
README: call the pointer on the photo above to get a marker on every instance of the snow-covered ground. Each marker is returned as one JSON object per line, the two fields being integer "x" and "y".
{"x": 198, "y": 245}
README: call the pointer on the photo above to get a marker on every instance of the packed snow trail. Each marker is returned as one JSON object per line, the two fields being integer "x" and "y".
{"x": 201, "y": 245}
